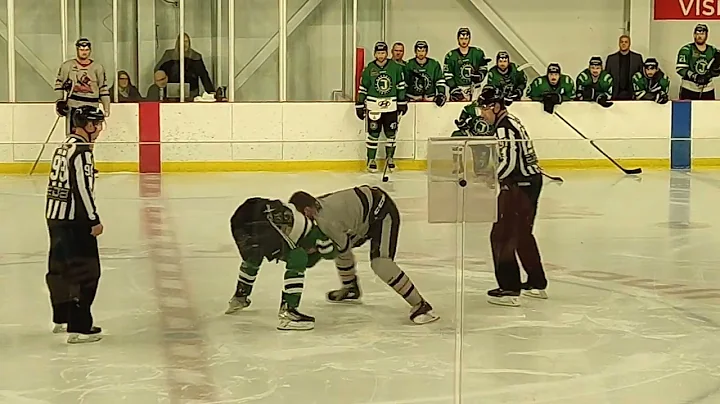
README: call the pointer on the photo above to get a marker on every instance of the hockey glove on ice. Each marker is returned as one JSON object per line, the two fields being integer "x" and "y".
{"x": 360, "y": 111}
{"x": 61, "y": 107}
{"x": 402, "y": 108}
{"x": 439, "y": 100}
{"x": 456, "y": 94}
{"x": 604, "y": 101}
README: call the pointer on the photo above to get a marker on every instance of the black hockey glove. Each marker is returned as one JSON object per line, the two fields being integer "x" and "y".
{"x": 516, "y": 95}
{"x": 550, "y": 100}
{"x": 662, "y": 98}
{"x": 360, "y": 111}
{"x": 456, "y": 94}
{"x": 702, "y": 79}
{"x": 439, "y": 99}
{"x": 587, "y": 94}
{"x": 61, "y": 107}
{"x": 402, "y": 108}
{"x": 462, "y": 124}
{"x": 477, "y": 77}
{"x": 604, "y": 101}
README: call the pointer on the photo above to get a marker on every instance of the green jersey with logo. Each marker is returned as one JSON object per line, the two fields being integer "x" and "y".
{"x": 459, "y": 67}
{"x": 588, "y": 88}
{"x": 691, "y": 61}
{"x": 424, "y": 80}
{"x": 382, "y": 87}
{"x": 476, "y": 126}
{"x": 511, "y": 83}
{"x": 649, "y": 88}
{"x": 541, "y": 86}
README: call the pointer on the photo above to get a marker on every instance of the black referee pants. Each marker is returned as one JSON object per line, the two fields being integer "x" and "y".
{"x": 73, "y": 275}
{"x": 512, "y": 235}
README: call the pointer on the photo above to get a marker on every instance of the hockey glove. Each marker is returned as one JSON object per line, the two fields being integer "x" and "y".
{"x": 360, "y": 111}
{"x": 516, "y": 95}
{"x": 702, "y": 79}
{"x": 477, "y": 76}
{"x": 462, "y": 124}
{"x": 550, "y": 100}
{"x": 61, "y": 107}
{"x": 587, "y": 94}
{"x": 662, "y": 98}
{"x": 604, "y": 101}
{"x": 402, "y": 108}
{"x": 456, "y": 94}
{"x": 439, "y": 100}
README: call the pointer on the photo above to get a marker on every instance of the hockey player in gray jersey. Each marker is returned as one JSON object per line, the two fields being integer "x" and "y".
{"x": 89, "y": 83}
{"x": 351, "y": 217}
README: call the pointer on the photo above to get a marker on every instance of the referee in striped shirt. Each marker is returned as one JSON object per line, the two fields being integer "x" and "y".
{"x": 73, "y": 225}
{"x": 520, "y": 181}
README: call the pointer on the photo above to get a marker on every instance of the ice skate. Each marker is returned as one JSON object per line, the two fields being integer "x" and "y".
{"x": 372, "y": 166}
{"x": 503, "y": 297}
{"x": 530, "y": 291}
{"x": 348, "y": 294}
{"x": 423, "y": 314}
{"x": 237, "y": 303}
{"x": 59, "y": 328}
{"x": 94, "y": 335}
{"x": 390, "y": 164}
{"x": 289, "y": 319}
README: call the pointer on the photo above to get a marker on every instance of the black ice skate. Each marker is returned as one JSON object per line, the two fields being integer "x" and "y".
{"x": 423, "y": 314}
{"x": 292, "y": 320}
{"x": 530, "y": 291}
{"x": 349, "y": 293}
{"x": 85, "y": 337}
{"x": 504, "y": 297}
{"x": 390, "y": 164}
{"x": 237, "y": 303}
{"x": 372, "y": 166}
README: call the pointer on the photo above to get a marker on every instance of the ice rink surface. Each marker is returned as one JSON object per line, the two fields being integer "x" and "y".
{"x": 633, "y": 314}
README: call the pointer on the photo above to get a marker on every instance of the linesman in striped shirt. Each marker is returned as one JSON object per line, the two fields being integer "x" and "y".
{"x": 520, "y": 181}
{"x": 74, "y": 225}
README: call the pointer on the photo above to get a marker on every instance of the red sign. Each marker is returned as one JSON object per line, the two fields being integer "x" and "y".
{"x": 687, "y": 10}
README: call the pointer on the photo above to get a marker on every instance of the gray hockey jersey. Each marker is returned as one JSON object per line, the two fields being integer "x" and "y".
{"x": 345, "y": 215}
{"x": 89, "y": 83}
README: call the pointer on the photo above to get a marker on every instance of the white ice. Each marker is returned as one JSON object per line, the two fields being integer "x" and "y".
{"x": 632, "y": 317}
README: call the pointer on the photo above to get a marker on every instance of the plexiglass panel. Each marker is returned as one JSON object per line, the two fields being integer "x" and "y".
{"x": 256, "y": 50}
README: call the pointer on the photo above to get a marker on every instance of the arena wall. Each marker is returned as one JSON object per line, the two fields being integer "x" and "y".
{"x": 328, "y": 136}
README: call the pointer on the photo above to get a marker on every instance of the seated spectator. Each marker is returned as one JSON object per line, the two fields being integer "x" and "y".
{"x": 398, "y": 53}
{"x": 156, "y": 91}
{"x": 127, "y": 92}
{"x": 651, "y": 84}
{"x": 622, "y": 65}
{"x": 697, "y": 64}
{"x": 195, "y": 69}
{"x": 552, "y": 89}
{"x": 594, "y": 84}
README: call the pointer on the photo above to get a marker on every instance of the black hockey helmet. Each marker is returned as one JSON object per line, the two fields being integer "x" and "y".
{"x": 421, "y": 45}
{"x": 380, "y": 46}
{"x": 502, "y": 55}
{"x": 596, "y": 61}
{"x": 651, "y": 62}
{"x": 489, "y": 96}
{"x": 83, "y": 43}
{"x": 554, "y": 68}
{"x": 87, "y": 113}
{"x": 464, "y": 31}
{"x": 700, "y": 28}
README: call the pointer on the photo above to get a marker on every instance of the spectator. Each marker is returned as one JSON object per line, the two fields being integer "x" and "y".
{"x": 552, "y": 89}
{"x": 195, "y": 69}
{"x": 127, "y": 92}
{"x": 156, "y": 91}
{"x": 622, "y": 65}
{"x": 398, "y": 53}
{"x": 696, "y": 64}
{"x": 594, "y": 84}
{"x": 651, "y": 84}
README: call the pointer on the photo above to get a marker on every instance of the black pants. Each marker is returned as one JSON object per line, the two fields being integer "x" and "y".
{"x": 513, "y": 234}
{"x": 686, "y": 94}
{"x": 384, "y": 219}
{"x": 73, "y": 275}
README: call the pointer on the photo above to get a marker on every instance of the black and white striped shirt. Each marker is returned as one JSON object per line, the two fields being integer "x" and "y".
{"x": 70, "y": 193}
{"x": 517, "y": 158}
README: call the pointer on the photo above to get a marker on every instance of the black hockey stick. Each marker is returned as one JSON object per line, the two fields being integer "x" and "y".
{"x": 631, "y": 171}
{"x": 552, "y": 178}
{"x": 68, "y": 88}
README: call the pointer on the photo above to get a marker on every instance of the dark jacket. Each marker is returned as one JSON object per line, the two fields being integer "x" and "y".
{"x": 612, "y": 65}
{"x": 132, "y": 96}
{"x": 195, "y": 69}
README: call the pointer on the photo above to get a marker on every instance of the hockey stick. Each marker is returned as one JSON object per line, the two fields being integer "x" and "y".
{"x": 385, "y": 177}
{"x": 67, "y": 87}
{"x": 552, "y": 178}
{"x": 631, "y": 171}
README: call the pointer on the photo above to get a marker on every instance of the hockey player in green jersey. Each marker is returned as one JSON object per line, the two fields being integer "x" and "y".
{"x": 694, "y": 64}
{"x": 381, "y": 98}
{"x": 470, "y": 123}
{"x": 424, "y": 77}
{"x": 465, "y": 67}
{"x": 651, "y": 84}
{"x": 506, "y": 78}
{"x": 268, "y": 229}
{"x": 594, "y": 84}
{"x": 551, "y": 89}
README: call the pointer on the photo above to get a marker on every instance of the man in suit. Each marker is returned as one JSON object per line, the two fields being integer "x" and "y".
{"x": 622, "y": 65}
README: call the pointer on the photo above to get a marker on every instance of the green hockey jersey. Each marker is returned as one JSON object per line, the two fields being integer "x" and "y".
{"x": 424, "y": 80}
{"x": 646, "y": 88}
{"x": 587, "y": 89}
{"x": 691, "y": 62}
{"x": 473, "y": 124}
{"x": 459, "y": 67}
{"x": 511, "y": 83}
{"x": 382, "y": 87}
{"x": 541, "y": 86}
